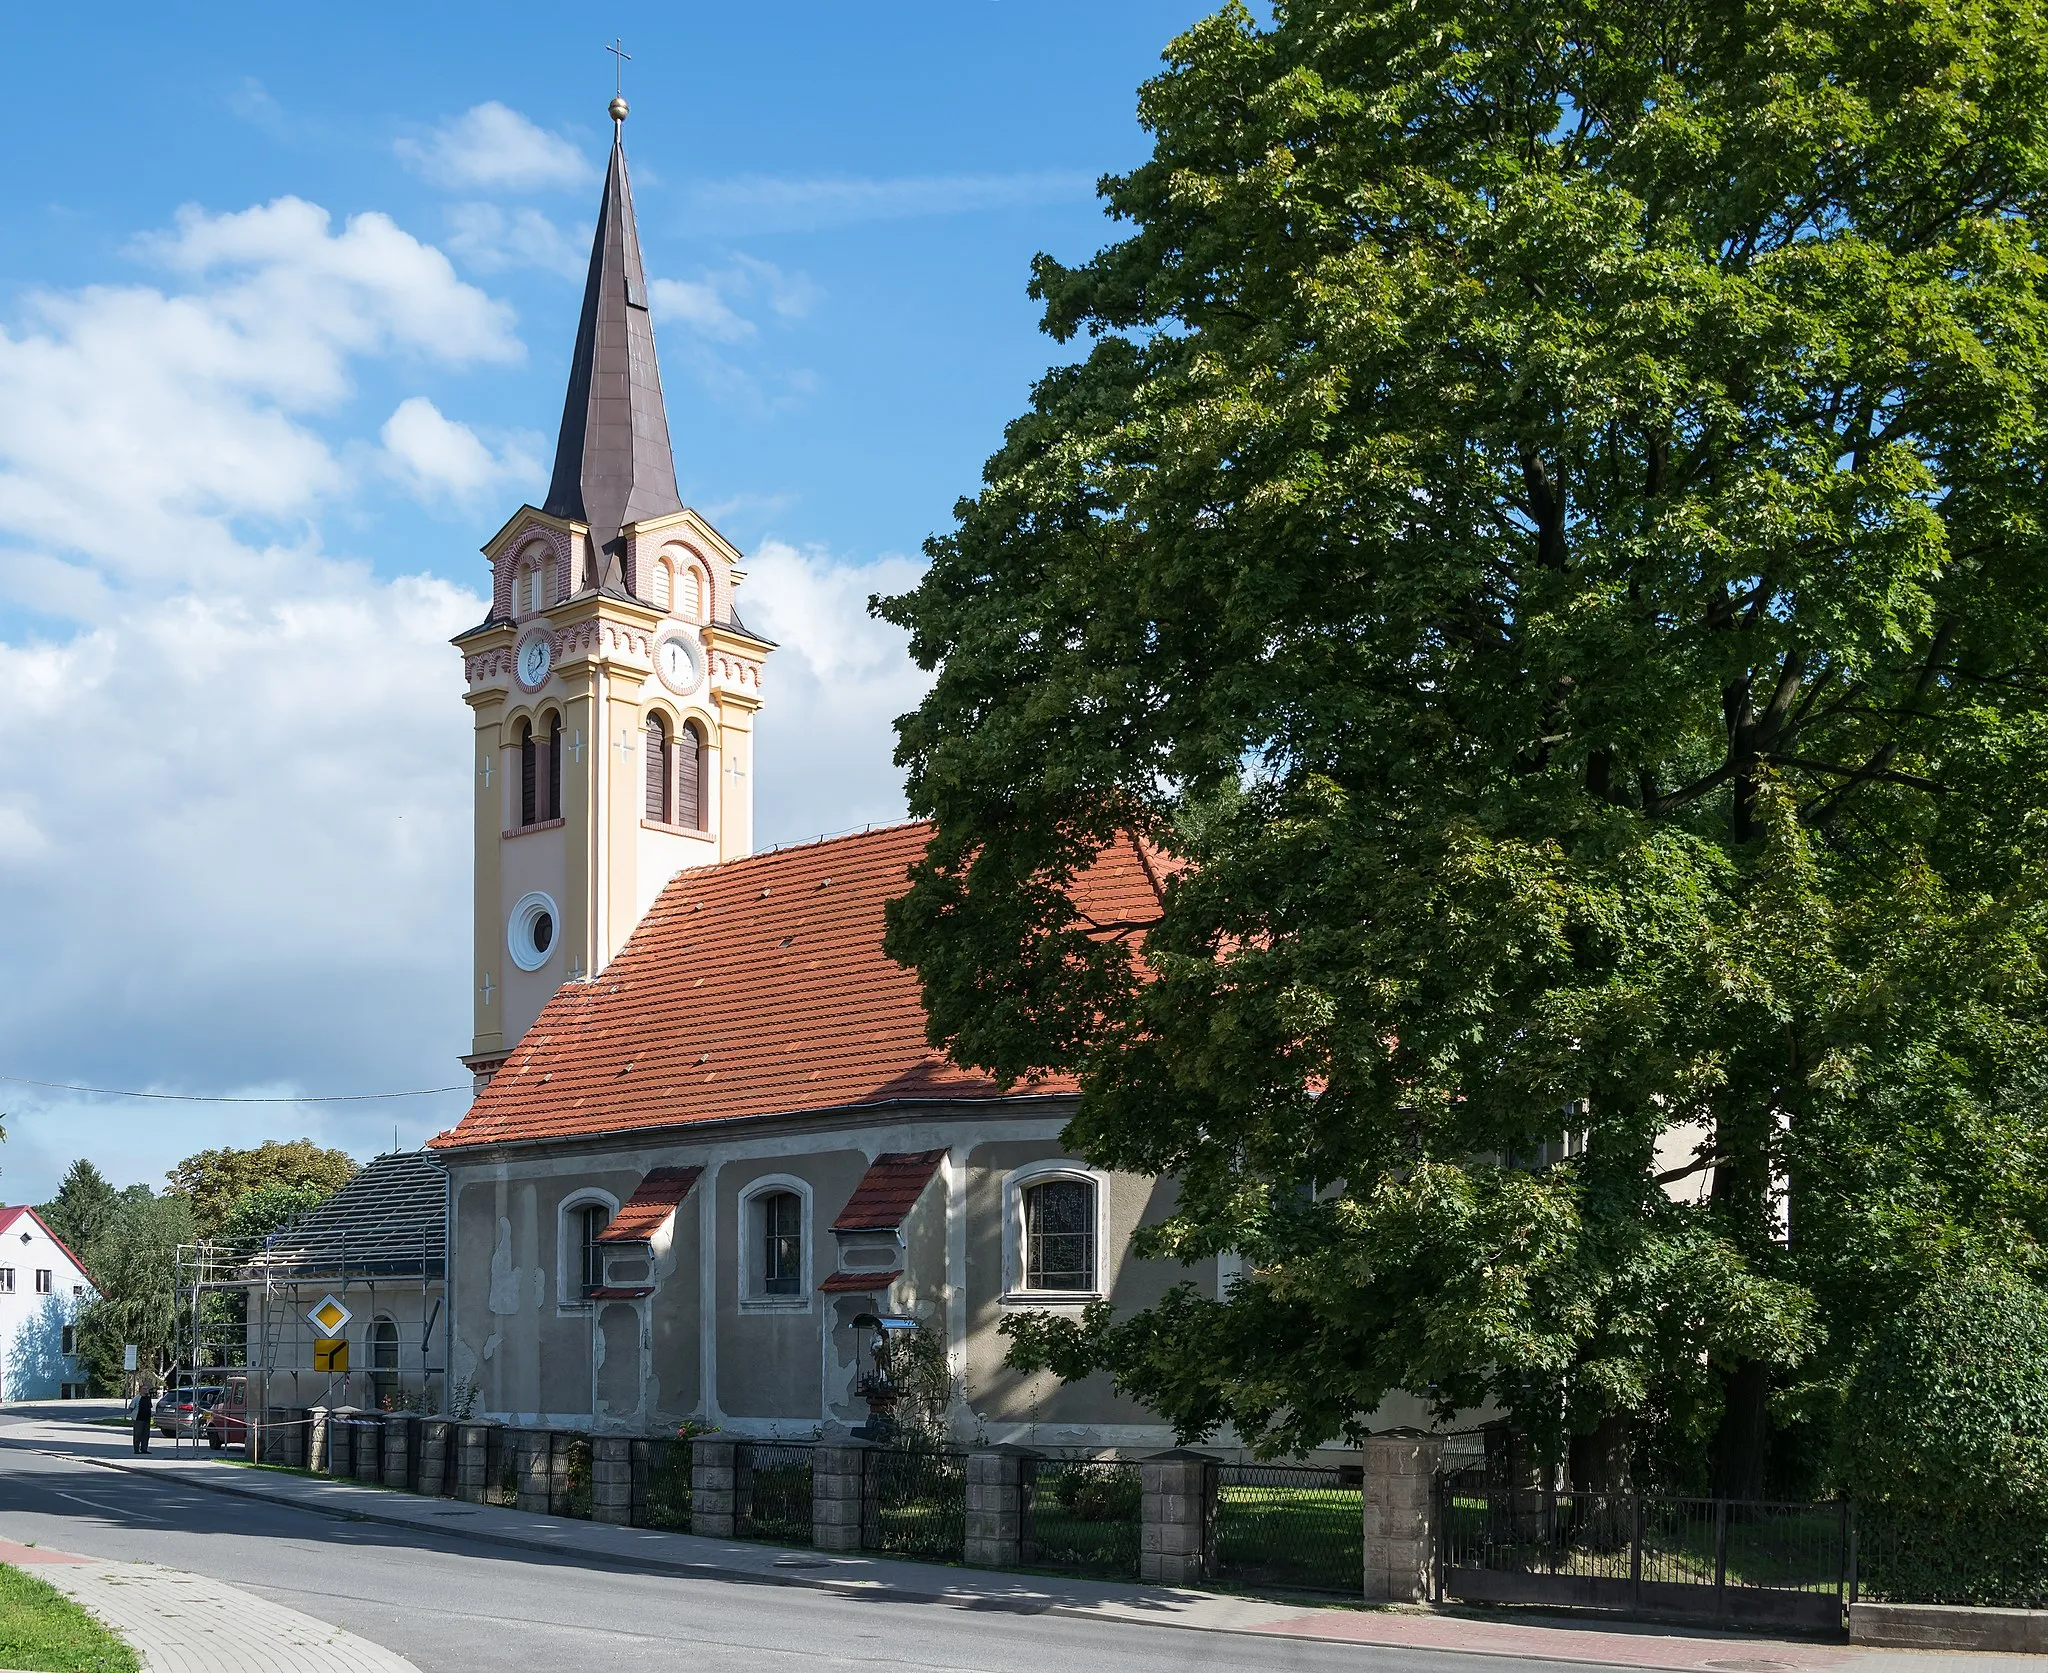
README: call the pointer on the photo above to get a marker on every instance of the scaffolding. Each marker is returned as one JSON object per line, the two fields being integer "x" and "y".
{"x": 378, "y": 1246}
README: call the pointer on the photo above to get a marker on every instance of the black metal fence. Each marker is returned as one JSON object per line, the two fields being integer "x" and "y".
{"x": 663, "y": 1491}
{"x": 1290, "y": 1527}
{"x": 1721, "y": 1559}
{"x": 1081, "y": 1515}
{"x": 774, "y": 1492}
{"x": 916, "y": 1502}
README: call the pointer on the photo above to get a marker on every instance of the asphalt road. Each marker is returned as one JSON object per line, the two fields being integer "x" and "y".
{"x": 455, "y": 1606}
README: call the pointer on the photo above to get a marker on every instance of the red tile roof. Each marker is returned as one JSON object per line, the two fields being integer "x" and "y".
{"x": 652, "y": 1202}
{"x": 859, "y": 1283}
{"x": 758, "y": 987}
{"x": 888, "y": 1191}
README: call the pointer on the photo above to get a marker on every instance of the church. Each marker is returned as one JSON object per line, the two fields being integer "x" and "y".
{"x": 709, "y": 1134}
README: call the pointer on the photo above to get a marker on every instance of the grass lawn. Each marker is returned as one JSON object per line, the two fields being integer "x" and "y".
{"x": 43, "y": 1631}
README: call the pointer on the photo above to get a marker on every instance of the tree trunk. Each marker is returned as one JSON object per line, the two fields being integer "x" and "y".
{"x": 1742, "y": 1443}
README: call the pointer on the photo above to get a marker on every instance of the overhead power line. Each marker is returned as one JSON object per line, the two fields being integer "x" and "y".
{"x": 201, "y": 1098}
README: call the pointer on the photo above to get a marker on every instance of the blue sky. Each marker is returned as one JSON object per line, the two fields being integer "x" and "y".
{"x": 286, "y": 299}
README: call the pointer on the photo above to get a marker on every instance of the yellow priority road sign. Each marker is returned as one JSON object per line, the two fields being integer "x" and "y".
{"x": 330, "y": 1318}
{"x": 331, "y": 1356}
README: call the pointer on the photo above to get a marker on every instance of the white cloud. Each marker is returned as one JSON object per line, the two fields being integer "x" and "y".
{"x": 491, "y": 240}
{"x": 491, "y": 147}
{"x": 771, "y": 203}
{"x": 138, "y": 426}
{"x": 825, "y": 735}
{"x": 696, "y": 303}
{"x": 439, "y": 458}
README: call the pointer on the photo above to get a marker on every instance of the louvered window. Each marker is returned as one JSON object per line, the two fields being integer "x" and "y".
{"x": 693, "y": 594}
{"x": 554, "y": 766}
{"x": 661, "y": 585}
{"x": 657, "y": 769}
{"x": 529, "y": 775}
{"x": 690, "y": 779}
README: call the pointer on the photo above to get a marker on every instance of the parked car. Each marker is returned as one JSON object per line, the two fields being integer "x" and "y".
{"x": 227, "y": 1422}
{"x": 182, "y": 1411}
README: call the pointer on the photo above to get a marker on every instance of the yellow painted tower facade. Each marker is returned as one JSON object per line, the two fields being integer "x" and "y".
{"x": 613, "y": 683}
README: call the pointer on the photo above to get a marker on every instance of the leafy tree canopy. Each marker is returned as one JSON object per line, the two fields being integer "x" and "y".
{"x": 263, "y": 1209}
{"x": 1546, "y": 535}
{"x": 134, "y": 1267}
{"x": 214, "y": 1180}
{"x": 83, "y": 1209}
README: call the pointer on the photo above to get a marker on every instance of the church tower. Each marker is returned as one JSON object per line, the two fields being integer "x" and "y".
{"x": 613, "y": 683}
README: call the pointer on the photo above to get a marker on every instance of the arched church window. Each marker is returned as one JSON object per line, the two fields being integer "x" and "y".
{"x": 592, "y": 1218}
{"x": 554, "y": 766}
{"x": 693, "y": 594}
{"x": 529, "y": 774}
{"x": 690, "y": 797}
{"x": 657, "y": 769}
{"x": 779, "y": 1229}
{"x": 663, "y": 576}
{"x": 384, "y": 1362}
{"x": 1059, "y": 1235}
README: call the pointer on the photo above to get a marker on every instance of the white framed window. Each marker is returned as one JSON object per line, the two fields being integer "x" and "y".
{"x": 691, "y": 606}
{"x": 44, "y": 1284}
{"x": 6, "y": 1280}
{"x": 663, "y": 576}
{"x": 1055, "y": 1233}
{"x": 775, "y": 1245}
{"x": 579, "y": 1257}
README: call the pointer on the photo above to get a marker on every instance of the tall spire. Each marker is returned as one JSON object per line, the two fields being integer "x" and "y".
{"x": 613, "y": 465}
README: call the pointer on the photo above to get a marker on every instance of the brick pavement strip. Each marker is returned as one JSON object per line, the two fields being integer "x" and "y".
{"x": 183, "y": 1623}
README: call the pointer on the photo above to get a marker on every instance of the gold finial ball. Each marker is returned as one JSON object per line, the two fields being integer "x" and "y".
{"x": 618, "y": 110}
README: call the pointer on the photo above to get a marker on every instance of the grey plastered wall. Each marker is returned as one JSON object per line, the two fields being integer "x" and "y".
{"x": 771, "y": 1360}
{"x": 1004, "y": 1397}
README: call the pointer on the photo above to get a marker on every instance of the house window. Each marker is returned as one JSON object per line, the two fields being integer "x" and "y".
{"x": 690, "y": 778}
{"x": 384, "y": 1362}
{"x": 529, "y": 776}
{"x": 657, "y": 769}
{"x": 592, "y": 1218}
{"x": 77, "y": 1292}
{"x": 554, "y": 773}
{"x": 775, "y": 1248}
{"x": 42, "y": 1280}
{"x": 780, "y": 1218}
{"x": 1059, "y": 1235}
{"x": 6, "y": 1280}
{"x": 70, "y": 1346}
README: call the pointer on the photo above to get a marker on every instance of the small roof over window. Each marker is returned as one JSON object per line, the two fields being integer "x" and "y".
{"x": 645, "y": 1211}
{"x": 888, "y": 1191}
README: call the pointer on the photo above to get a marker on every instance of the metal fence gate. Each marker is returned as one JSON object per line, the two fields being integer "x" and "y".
{"x": 1730, "y": 1560}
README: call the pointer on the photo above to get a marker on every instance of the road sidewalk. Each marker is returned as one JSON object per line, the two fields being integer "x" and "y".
{"x": 1670, "y": 1650}
{"x": 183, "y": 1623}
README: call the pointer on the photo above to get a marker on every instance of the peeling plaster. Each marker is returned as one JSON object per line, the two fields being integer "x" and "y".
{"x": 504, "y": 1275}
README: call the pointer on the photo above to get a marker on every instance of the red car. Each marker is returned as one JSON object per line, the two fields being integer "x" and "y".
{"x": 227, "y": 1421}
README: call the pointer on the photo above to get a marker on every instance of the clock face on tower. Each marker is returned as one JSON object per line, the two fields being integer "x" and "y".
{"x": 675, "y": 658}
{"x": 536, "y": 657}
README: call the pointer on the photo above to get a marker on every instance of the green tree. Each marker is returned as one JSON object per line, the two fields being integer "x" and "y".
{"x": 83, "y": 1208}
{"x": 135, "y": 1270}
{"x": 1546, "y": 540}
{"x": 263, "y": 1209}
{"x": 214, "y": 1180}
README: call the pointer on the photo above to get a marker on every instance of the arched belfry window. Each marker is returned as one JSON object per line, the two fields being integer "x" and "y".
{"x": 657, "y": 770}
{"x": 663, "y": 578}
{"x": 384, "y": 1362}
{"x": 693, "y": 594}
{"x": 690, "y": 796}
{"x": 529, "y": 774}
{"x": 554, "y": 767}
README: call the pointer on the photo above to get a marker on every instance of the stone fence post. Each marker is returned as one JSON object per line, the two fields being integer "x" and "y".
{"x": 317, "y": 1448}
{"x": 401, "y": 1450}
{"x": 369, "y": 1446}
{"x": 532, "y": 1468}
{"x": 714, "y": 1487}
{"x": 436, "y": 1437}
{"x": 611, "y": 1479}
{"x": 1400, "y": 1515}
{"x": 839, "y": 1479}
{"x": 341, "y": 1458}
{"x": 1175, "y": 1535}
{"x": 995, "y": 1506}
{"x": 472, "y": 1461}
{"x": 284, "y": 1436}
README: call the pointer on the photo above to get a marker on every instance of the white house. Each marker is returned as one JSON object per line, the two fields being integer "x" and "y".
{"x": 42, "y": 1287}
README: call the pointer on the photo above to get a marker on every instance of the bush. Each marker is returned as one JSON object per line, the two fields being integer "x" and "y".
{"x": 1947, "y": 1413}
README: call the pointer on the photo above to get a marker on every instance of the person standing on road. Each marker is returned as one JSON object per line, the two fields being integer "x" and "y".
{"x": 143, "y": 1407}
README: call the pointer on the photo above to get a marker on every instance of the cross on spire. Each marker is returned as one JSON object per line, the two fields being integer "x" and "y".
{"x": 621, "y": 57}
